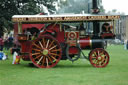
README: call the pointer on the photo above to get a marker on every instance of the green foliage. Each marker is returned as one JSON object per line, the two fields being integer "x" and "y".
{"x": 8, "y": 8}
{"x": 67, "y": 73}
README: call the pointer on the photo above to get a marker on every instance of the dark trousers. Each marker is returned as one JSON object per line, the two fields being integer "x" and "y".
{"x": 1, "y": 47}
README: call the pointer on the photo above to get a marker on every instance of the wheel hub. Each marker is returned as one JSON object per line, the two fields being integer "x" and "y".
{"x": 45, "y": 52}
{"x": 99, "y": 58}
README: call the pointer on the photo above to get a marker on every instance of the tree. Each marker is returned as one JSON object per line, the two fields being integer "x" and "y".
{"x": 8, "y": 8}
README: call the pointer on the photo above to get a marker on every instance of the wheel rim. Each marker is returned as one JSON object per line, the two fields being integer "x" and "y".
{"x": 99, "y": 58}
{"x": 45, "y": 52}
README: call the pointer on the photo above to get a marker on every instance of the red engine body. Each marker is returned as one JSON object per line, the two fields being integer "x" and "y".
{"x": 71, "y": 38}
{"x": 63, "y": 37}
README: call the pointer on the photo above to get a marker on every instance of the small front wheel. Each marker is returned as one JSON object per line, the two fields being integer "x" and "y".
{"x": 99, "y": 58}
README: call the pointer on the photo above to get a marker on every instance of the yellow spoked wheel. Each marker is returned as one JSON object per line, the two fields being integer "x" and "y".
{"x": 99, "y": 58}
{"x": 45, "y": 52}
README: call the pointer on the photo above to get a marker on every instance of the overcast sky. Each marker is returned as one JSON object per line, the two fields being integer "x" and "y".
{"x": 120, "y": 5}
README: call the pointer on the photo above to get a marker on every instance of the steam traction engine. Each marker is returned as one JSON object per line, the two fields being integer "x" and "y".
{"x": 63, "y": 37}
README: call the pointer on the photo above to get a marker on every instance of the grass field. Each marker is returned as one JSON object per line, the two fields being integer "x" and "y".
{"x": 65, "y": 73}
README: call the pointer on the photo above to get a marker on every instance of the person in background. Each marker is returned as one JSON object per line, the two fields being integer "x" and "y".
{"x": 15, "y": 51}
{"x": 2, "y": 54}
{"x": 1, "y": 43}
{"x": 6, "y": 43}
{"x": 10, "y": 41}
{"x": 127, "y": 45}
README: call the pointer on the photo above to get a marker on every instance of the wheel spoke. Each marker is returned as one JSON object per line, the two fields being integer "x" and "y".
{"x": 103, "y": 62}
{"x": 98, "y": 53}
{"x": 35, "y": 54}
{"x": 54, "y": 58}
{"x": 52, "y": 47}
{"x": 93, "y": 57}
{"x": 97, "y": 63}
{"x": 51, "y": 44}
{"x": 38, "y": 57}
{"x": 36, "y": 45}
{"x": 47, "y": 62}
{"x": 40, "y": 60}
{"x": 47, "y": 43}
{"x": 103, "y": 56}
{"x": 105, "y": 59}
{"x": 95, "y": 54}
{"x": 43, "y": 61}
{"x": 54, "y": 54}
{"x": 94, "y": 61}
{"x": 50, "y": 59}
{"x": 41, "y": 45}
{"x": 102, "y": 53}
{"x": 36, "y": 50}
{"x": 55, "y": 50}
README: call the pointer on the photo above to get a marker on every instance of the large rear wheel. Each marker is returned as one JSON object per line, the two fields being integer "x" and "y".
{"x": 99, "y": 58}
{"x": 45, "y": 52}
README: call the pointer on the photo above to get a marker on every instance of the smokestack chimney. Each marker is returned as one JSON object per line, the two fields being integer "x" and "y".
{"x": 95, "y": 9}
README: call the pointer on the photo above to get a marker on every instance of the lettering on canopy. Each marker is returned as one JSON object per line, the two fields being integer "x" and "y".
{"x": 71, "y": 18}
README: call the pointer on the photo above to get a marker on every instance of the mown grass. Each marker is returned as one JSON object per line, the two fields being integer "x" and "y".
{"x": 67, "y": 73}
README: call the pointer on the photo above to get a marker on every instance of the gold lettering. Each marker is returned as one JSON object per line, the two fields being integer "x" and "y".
{"x": 56, "y": 18}
{"x": 113, "y": 17}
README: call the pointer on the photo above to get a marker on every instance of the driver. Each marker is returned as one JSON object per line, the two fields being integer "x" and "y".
{"x": 106, "y": 28}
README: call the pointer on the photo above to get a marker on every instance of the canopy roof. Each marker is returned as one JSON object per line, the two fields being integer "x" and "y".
{"x": 63, "y": 18}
